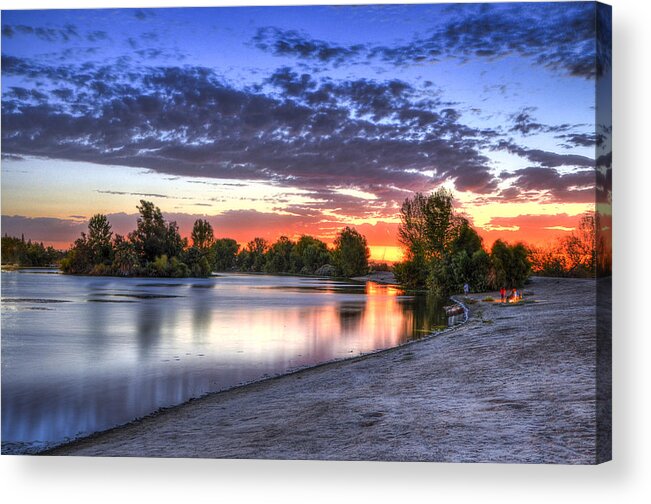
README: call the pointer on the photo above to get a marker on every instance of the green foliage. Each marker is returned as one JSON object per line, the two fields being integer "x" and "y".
{"x": 155, "y": 248}
{"x": 426, "y": 224}
{"x": 279, "y": 256}
{"x": 202, "y": 235}
{"x": 79, "y": 259}
{"x": 196, "y": 260}
{"x": 479, "y": 271}
{"x": 174, "y": 243}
{"x": 23, "y": 253}
{"x": 308, "y": 255}
{"x": 464, "y": 238}
{"x": 224, "y": 254}
{"x": 444, "y": 252}
{"x": 509, "y": 265}
{"x": 125, "y": 258}
{"x": 351, "y": 253}
{"x": 253, "y": 256}
{"x": 99, "y": 240}
{"x": 149, "y": 238}
{"x": 412, "y": 273}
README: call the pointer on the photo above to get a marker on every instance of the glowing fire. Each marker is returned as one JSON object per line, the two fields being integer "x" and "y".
{"x": 514, "y": 297}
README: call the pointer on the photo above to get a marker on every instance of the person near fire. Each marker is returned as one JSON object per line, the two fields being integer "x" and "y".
{"x": 502, "y": 294}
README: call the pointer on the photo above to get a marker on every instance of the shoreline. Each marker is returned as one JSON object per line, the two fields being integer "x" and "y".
{"x": 515, "y": 383}
{"x": 50, "y": 450}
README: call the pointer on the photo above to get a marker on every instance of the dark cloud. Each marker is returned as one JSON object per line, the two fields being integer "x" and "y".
{"x": 571, "y": 140}
{"x": 545, "y": 158}
{"x": 62, "y": 34}
{"x": 144, "y": 195}
{"x": 560, "y": 37}
{"x": 523, "y": 122}
{"x": 571, "y": 187}
{"x": 291, "y": 130}
{"x": 293, "y": 43}
{"x": 95, "y": 36}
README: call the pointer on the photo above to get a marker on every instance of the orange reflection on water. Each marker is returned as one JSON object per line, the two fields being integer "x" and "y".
{"x": 175, "y": 340}
{"x": 374, "y": 288}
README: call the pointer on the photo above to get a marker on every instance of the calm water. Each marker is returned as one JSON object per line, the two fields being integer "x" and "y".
{"x": 82, "y": 354}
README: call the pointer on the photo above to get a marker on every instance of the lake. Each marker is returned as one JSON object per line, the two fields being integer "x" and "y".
{"x": 83, "y": 354}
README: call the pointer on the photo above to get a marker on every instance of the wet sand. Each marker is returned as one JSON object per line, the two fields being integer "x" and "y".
{"x": 514, "y": 384}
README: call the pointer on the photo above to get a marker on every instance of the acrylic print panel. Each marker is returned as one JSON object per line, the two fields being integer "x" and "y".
{"x": 374, "y": 232}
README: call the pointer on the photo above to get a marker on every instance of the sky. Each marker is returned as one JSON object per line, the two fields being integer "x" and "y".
{"x": 274, "y": 121}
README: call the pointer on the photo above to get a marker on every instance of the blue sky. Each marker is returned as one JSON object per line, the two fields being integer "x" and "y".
{"x": 322, "y": 115}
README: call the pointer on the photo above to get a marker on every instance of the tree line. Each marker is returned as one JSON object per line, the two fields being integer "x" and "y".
{"x": 443, "y": 252}
{"x": 576, "y": 255}
{"x": 25, "y": 253}
{"x": 156, "y": 249}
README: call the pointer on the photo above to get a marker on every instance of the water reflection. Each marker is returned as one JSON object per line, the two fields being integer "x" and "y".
{"x": 87, "y": 364}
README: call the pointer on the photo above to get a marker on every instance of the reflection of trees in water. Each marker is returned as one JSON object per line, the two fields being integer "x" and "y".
{"x": 201, "y": 318}
{"x": 350, "y": 316}
{"x": 151, "y": 315}
{"x": 427, "y": 312}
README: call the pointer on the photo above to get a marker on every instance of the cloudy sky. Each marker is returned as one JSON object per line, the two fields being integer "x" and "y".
{"x": 293, "y": 120}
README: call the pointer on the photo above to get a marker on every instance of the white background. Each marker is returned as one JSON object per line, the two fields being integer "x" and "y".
{"x": 626, "y": 479}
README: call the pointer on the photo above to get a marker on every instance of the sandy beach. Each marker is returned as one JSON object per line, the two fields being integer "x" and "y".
{"x": 513, "y": 384}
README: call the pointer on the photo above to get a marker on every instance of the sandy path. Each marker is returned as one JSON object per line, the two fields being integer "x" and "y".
{"x": 515, "y": 384}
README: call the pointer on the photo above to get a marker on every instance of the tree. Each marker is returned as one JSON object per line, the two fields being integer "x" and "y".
{"x": 308, "y": 255}
{"x": 431, "y": 234}
{"x": 154, "y": 237}
{"x": 412, "y": 230}
{"x": 509, "y": 265}
{"x": 202, "y": 235}
{"x": 17, "y": 251}
{"x": 254, "y": 258}
{"x": 580, "y": 248}
{"x": 125, "y": 258}
{"x": 465, "y": 238}
{"x": 99, "y": 239}
{"x": 174, "y": 243}
{"x": 78, "y": 260}
{"x": 278, "y": 256}
{"x": 351, "y": 253}
{"x": 197, "y": 262}
{"x": 479, "y": 270}
{"x": 224, "y": 254}
{"x": 151, "y": 234}
{"x": 575, "y": 255}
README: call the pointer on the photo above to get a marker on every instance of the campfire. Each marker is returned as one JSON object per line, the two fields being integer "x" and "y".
{"x": 511, "y": 296}
{"x": 514, "y": 297}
